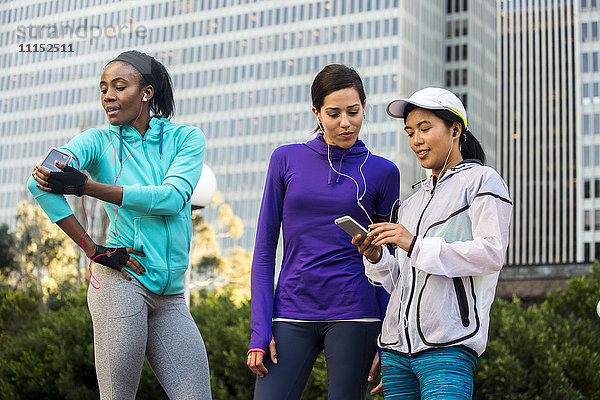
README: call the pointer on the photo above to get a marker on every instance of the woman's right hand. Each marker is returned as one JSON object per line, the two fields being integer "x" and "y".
{"x": 255, "y": 360}
{"x": 367, "y": 248}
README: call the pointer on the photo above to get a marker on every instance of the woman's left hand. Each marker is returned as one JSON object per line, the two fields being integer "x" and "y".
{"x": 386, "y": 232}
{"x": 374, "y": 368}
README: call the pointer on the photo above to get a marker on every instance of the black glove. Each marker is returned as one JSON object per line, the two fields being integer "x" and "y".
{"x": 69, "y": 181}
{"x": 116, "y": 260}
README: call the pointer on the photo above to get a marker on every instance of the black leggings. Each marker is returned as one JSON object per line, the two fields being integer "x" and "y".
{"x": 349, "y": 351}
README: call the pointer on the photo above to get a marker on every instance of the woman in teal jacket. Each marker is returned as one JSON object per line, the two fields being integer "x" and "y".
{"x": 144, "y": 168}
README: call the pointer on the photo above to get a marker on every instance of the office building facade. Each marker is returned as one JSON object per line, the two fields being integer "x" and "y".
{"x": 537, "y": 128}
{"x": 242, "y": 72}
{"x": 589, "y": 110}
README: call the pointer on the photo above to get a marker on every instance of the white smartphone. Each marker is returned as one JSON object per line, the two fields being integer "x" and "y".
{"x": 351, "y": 227}
{"x": 53, "y": 155}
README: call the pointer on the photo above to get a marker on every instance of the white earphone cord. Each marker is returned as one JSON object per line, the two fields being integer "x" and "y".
{"x": 358, "y": 199}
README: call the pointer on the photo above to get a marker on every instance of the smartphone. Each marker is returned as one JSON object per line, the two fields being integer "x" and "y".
{"x": 351, "y": 227}
{"x": 53, "y": 155}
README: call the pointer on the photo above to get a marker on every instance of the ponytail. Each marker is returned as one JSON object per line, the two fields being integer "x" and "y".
{"x": 162, "y": 103}
{"x": 470, "y": 148}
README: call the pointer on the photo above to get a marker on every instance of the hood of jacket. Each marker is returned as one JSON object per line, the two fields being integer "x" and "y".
{"x": 336, "y": 153}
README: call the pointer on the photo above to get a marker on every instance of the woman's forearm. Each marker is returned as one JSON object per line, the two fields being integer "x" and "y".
{"x": 75, "y": 231}
{"x": 109, "y": 193}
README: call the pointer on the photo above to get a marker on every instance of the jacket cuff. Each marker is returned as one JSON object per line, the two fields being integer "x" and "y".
{"x": 378, "y": 258}
{"x": 251, "y": 350}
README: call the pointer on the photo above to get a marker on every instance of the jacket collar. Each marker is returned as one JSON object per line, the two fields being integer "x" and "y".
{"x": 430, "y": 183}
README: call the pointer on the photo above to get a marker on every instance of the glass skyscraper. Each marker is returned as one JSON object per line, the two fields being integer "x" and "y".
{"x": 242, "y": 72}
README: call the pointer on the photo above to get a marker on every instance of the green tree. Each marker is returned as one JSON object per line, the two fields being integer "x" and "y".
{"x": 46, "y": 255}
{"x": 210, "y": 269}
{"x": 8, "y": 254}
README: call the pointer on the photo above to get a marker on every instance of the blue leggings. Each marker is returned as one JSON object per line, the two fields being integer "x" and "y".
{"x": 349, "y": 350}
{"x": 435, "y": 374}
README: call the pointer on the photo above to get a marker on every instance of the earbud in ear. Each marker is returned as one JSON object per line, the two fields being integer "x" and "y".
{"x": 455, "y": 132}
{"x": 145, "y": 98}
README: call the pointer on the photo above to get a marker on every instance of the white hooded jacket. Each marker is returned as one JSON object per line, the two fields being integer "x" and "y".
{"x": 443, "y": 288}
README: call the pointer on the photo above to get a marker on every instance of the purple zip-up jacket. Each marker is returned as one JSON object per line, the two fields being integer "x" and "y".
{"x": 322, "y": 275}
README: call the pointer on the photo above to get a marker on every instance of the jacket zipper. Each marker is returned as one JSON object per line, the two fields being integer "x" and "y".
{"x": 155, "y": 179}
{"x": 414, "y": 278}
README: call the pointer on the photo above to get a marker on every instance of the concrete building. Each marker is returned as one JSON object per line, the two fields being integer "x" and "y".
{"x": 538, "y": 132}
{"x": 242, "y": 70}
{"x": 588, "y": 103}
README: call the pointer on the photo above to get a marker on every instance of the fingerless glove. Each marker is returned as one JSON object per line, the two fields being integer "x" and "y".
{"x": 116, "y": 260}
{"x": 69, "y": 181}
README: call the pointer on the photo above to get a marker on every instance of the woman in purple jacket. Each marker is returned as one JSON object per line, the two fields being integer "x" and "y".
{"x": 322, "y": 301}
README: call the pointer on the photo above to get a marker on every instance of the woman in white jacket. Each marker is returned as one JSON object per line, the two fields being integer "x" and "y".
{"x": 452, "y": 236}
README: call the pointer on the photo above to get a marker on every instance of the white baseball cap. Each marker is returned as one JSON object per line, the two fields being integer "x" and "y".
{"x": 430, "y": 98}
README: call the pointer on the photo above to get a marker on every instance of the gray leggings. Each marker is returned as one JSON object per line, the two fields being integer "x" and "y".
{"x": 131, "y": 322}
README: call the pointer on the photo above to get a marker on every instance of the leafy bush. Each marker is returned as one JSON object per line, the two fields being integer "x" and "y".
{"x": 550, "y": 351}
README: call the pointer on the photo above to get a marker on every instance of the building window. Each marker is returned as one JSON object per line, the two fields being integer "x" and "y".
{"x": 586, "y": 252}
{"x": 586, "y": 124}
{"x": 448, "y": 78}
{"x": 448, "y": 53}
{"x": 584, "y": 32}
{"x": 464, "y": 52}
{"x": 456, "y": 52}
{"x": 449, "y": 29}
{"x": 595, "y": 61}
{"x": 449, "y": 6}
{"x": 586, "y": 156}
{"x": 584, "y": 62}
{"x": 597, "y": 250}
{"x": 594, "y": 31}
{"x": 597, "y": 163}
{"x": 596, "y": 124}
{"x": 586, "y": 189}
{"x": 586, "y": 220}
{"x": 465, "y": 5}
{"x": 465, "y": 27}
{"x": 464, "y": 76}
{"x": 597, "y": 228}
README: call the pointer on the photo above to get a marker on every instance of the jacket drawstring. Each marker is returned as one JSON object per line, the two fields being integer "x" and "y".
{"x": 341, "y": 160}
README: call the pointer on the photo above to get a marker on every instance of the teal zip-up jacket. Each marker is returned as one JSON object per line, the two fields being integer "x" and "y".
{"x": 158, "y": 179}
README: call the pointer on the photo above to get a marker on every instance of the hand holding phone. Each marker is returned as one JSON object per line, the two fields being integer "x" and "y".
{"x": 351, "y": 227}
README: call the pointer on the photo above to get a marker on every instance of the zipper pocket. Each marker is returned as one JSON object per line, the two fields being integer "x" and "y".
{"x": 463, "y": 304}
